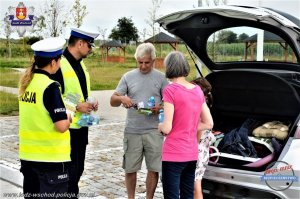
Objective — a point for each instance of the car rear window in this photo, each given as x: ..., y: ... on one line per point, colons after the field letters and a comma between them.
x: 244, y: 44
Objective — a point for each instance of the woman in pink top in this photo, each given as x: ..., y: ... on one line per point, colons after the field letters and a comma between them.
x: 185, y: 111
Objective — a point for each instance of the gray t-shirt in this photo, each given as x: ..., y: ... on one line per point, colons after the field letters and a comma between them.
x: 140, y: 87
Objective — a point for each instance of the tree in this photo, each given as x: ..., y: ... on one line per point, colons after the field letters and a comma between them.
x: 32, y: 40
x: 216, y: 2
x: 55, y: 17
x: 102, y: 32
x: 227, y: 36
x: 7, y: 32
x: 242, y: 37
x: 153, y: 16
x: 143, y: 34
x: 38, y: 25
x: 78, y: 12
x: 125, y: 31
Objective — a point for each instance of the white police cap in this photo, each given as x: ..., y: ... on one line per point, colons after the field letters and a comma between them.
x: 83, y: 34
x: 50, y: 47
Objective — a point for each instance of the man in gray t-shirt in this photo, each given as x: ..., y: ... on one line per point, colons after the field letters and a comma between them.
x: 141, y: 137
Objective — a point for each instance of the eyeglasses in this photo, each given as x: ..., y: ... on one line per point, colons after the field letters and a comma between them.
x: 89, y: 45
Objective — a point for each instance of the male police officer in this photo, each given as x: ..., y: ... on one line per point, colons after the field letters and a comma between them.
x: 74, y: 78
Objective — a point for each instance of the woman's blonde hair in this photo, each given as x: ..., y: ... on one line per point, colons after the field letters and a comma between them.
x: 39, y: 62
x: 26, y: 79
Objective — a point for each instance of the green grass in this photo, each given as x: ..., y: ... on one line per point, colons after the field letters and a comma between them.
x: 19, y: 62
x: 106, y: 78
x: 9, y: 77
x: 9, y: 105
x: 104, y: 75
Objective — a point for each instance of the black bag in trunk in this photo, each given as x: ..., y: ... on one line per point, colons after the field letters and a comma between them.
x: 237, y: 142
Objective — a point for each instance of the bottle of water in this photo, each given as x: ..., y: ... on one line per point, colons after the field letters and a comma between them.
x: 161, y: 116
x: 89, y: 119
x: 92, y: 118
x: 83, y: 120
x: 151, y: 102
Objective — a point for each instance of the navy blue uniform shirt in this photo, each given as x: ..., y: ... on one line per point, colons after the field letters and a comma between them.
x: 52, y: 99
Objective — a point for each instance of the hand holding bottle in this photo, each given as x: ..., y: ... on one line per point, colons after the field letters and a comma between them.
x: 89, y: 117
x: 84, y: 107
x: 127, y: 102
x: 94, y: 102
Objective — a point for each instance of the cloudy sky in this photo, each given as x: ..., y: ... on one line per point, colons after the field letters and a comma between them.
x: 105, y: 13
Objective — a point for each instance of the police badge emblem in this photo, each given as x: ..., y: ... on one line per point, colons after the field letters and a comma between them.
x: 21, y: 11
x: 21, y: 18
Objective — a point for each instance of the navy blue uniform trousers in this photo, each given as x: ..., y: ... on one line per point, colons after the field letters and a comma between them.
x: 79, y: 140
x: 45, y: 179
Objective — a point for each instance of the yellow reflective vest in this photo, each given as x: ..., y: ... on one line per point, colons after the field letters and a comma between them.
x: 72, y: 85
x: 38, y: 139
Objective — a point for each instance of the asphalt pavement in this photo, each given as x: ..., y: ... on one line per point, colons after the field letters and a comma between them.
x: 103, y: 176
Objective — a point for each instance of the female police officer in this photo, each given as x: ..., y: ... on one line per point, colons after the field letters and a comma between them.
x: 44, y: 138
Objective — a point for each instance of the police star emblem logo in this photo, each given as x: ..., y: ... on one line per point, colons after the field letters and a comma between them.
x: 21, y: 18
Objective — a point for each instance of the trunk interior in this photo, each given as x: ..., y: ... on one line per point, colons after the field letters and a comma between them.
x: 240, y: 96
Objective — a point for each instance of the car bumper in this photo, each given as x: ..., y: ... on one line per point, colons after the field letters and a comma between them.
x: 231, y: 183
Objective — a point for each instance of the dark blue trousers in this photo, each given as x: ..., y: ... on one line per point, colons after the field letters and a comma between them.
x: 44, y: 180
x: 178, y: 179
x: 79, y: 140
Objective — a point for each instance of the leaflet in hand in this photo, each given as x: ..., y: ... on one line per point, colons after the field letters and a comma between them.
x: 71, y: 100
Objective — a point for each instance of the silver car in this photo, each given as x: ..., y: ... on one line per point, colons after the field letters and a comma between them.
x: 251, y: 57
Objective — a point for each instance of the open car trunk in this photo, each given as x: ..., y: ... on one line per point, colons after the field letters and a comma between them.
x: 265, y: 98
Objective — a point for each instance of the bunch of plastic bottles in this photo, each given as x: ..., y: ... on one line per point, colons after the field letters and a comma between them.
x: 88, y: 120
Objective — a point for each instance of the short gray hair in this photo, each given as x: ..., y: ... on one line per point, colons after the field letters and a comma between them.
x: 145, y: 49
x: 176, y: 65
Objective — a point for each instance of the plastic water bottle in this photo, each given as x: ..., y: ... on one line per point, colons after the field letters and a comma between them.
x: 83, y: 121
x: 151, y: 102
x: 93, y: 118
x: 89, y: 119
x: 161, y: 116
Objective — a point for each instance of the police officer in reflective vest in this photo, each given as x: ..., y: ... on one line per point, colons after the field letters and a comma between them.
x: 44, y: 138
x: 74, y: 78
